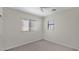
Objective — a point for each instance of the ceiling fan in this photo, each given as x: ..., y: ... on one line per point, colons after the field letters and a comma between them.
x: 47, y: 9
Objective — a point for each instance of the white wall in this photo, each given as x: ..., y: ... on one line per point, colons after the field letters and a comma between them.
x: 65, y: 33
x: 1, y: 29
x: 12, y: 33
x: 1, y: 20
x: 66, y: 28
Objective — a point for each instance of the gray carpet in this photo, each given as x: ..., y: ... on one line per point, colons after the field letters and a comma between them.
x: 42, y: 45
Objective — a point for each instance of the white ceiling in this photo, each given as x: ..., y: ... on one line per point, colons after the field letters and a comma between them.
x: 38, y: 12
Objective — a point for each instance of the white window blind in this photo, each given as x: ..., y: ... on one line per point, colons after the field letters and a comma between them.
x: 25, y: 25
x: 50, y: 24
x: 31, y: 25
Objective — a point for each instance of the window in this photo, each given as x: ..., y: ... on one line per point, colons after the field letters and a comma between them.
x: 25, y: 25
x: 50, y: 24
x: 30, y: 25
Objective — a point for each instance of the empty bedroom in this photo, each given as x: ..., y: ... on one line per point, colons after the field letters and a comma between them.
x: 39, y: 28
